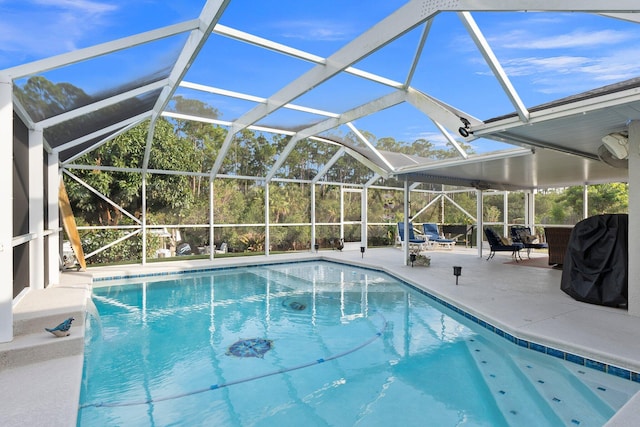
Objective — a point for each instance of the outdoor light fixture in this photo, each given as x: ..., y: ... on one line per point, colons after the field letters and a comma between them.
x: 362, y: 251
x: 457, y: 271
x: 412, y: 257
x: 617, y: 144
x: 465, y: 130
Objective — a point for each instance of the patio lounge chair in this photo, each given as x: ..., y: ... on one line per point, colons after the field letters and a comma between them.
x: 430, y: 230
x: 499, y: 245
x: 420, y: 244
x: 522, y: 234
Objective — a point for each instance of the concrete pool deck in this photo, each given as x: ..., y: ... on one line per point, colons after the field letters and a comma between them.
x: 40, y: 375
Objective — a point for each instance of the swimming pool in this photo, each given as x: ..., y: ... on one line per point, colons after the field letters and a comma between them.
x: 317, y: 343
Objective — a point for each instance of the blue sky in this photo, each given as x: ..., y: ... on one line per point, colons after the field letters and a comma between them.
x: 547, y: 56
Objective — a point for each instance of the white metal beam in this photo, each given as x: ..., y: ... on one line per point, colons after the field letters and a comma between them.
x: 52, y: 249
x: 99, y: 143
x: 115, y: 242
x: 427, y: 206
x: 98, y: 50
x: 69, y: 115
x: 369, y: 145
x: 359, y: 157
x: 298, y: 54
x: 494, y: 64
x: 390, y: 28
x: 418, y: 54
x: 256, y: 99
x: 630, y: 17
x: 385, y: 101
x: 137, y: 119
x: 225, y: 123
x: 595, y: 6
x: 322, y: 172
x: 36, y: 214
x: 579, y: 107
x: 226, y: 144
x: 451, y: 140
x: 6, y: 215
x: 210, y: 15
x: 374, y: 178
x: 463, y: 210
x: 102, y: 196
x: 634, y: 225
x: 455, y: 162
x: 282, y: 157
x: 438, y: 111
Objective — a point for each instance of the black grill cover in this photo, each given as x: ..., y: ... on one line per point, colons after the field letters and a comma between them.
x: 596, y: 262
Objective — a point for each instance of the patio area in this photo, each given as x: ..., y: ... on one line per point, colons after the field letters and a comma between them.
x: 523, y: 299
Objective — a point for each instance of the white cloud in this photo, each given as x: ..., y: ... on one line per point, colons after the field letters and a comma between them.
x: 526, y: 66
x: 590, y: 57
x: 78, y: 6
x: 519, y: 39
x: 315, y: 30
x: 436, y: 138
x: 43, y: 28
x: 562, y: 74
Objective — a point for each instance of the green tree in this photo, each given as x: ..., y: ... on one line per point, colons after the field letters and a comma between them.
x: 206, y: 138
x: 165, y: 192
x: 602, y: 198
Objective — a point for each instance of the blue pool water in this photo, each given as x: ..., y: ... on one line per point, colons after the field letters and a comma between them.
x: 317, y: 344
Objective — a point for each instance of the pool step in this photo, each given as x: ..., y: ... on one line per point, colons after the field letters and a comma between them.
x: 40, y: 309
x: 574, y: 409
x: 46, y: 308
x: 609, y: 388
x: 507, y: 386
x: 41, y: 346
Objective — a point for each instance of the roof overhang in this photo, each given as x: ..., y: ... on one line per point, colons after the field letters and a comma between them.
x: 561, y: 139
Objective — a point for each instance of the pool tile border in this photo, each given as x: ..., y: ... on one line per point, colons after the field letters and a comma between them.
x: 554, y: 352
x: 560, y: 354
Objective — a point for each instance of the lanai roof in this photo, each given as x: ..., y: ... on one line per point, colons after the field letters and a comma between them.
x: 322, y: 90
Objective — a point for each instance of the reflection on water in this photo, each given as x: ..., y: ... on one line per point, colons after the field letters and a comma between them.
x: 346, y: 346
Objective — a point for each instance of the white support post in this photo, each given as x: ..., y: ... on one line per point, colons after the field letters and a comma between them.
x: 53, y: 217
x: 532, y: 210
x: 363, y: 217
x: 505, y: 214
x: 585, y: 201
x: 36, y: 209
x: 527, y: 208
x: 341, y: 211
x: 267, y: 208
x: 211, y: 234
x: 144, y: 218
x: 442, y: 205
x: 313, y: 215
x: 405, y: 244
x: 6, y: 215
x: 480, y: 220
x: 634, y: 225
